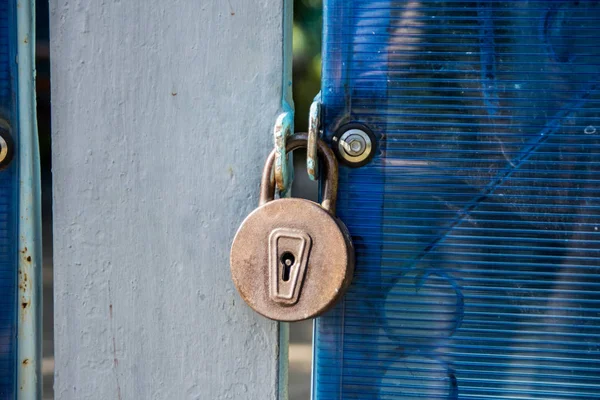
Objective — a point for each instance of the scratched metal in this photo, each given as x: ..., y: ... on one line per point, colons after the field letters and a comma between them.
x: 29, y: 239
x: 477, y: 224
x: 314, y: 134
x: 284, y: 128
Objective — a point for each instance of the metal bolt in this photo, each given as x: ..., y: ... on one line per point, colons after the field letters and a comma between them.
x: 3, y: 149
x: 7, y: 149
x: 355, y: 146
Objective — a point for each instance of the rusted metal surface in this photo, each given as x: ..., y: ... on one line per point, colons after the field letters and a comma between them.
x: 311, y: 288
x: 29, y: 377
x: 314, y: 134
x: 267, y: 188
x: 284, y: 126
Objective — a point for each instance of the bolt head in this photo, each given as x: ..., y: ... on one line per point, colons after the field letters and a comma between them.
x: 354, y: 144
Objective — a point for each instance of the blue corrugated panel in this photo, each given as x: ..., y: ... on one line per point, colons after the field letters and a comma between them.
x: 8, y: 210
x: 477, y: 224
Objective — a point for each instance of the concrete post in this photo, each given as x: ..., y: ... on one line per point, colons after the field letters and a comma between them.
x: 162, y: 119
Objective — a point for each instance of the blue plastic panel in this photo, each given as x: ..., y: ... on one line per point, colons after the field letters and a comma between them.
x: 477, y: 224
x: 8, y: 210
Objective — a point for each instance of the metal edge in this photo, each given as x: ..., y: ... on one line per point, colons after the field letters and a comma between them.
x: 314, y: 127
x: 284, y: 357
x: 313, y: 365
x: 29, y: 376
x: 284, y: 125
x: 287, y: 101
x: 287, y: 104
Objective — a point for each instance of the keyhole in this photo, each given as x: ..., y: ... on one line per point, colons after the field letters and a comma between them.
x: 287, y: 260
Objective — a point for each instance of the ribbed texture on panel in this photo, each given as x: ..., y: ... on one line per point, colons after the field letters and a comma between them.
x: 477, y: 225
x: 8, y: 264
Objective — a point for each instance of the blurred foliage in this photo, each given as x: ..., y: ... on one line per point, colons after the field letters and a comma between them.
x: 307, y: 58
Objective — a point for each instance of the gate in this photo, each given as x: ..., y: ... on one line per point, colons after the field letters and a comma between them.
x: 477, y: 223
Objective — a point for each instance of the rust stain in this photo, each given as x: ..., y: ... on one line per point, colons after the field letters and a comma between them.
x: 114, y: 344
x: 26, y: 361
x: 25, y: 305
x: 173, y: 94
x: 115, y: 359
x: 26, y: 40
x: 22, y: 280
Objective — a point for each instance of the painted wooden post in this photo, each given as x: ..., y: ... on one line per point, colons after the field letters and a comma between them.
x: 162, y: 118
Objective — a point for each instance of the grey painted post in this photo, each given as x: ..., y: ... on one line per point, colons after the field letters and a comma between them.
x: 162, y: 118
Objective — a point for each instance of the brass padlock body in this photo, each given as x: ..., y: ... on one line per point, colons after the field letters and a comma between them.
x: 317, y: 243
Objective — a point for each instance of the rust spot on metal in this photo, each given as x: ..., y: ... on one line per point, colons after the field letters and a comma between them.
x: 173, y: 94
x: 26, y: 361
x: 24, y: 305
x: 110, y: 311
x: 28, y: 259
x: 267, y: 188
x: 24, y: 250
x: 283, y: 129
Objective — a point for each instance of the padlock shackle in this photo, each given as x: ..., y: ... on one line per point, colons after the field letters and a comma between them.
x: 267, y: 186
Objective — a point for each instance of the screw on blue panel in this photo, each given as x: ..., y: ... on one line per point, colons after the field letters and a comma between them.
x: 7, y: 146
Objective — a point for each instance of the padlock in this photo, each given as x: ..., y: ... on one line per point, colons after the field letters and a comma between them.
x: 292, y: 259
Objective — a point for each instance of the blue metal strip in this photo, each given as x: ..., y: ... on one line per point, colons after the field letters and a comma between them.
x: 30, y: 240
x: 284, y: 124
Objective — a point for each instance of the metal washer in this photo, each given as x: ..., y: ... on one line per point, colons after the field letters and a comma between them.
x: 6, y: 147
x: 354, y: 144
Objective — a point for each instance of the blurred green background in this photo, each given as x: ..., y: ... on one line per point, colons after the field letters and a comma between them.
x: 307, y: 58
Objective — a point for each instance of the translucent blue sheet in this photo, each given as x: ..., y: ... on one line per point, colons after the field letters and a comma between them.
x: 8, y: 212
x: 477, y: 224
